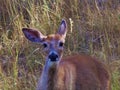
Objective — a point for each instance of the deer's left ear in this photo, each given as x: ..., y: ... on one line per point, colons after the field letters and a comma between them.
x: 63, y: 29
x: 33, y: 35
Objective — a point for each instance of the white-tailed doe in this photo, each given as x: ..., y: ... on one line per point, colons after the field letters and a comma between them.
x: 75, y: 72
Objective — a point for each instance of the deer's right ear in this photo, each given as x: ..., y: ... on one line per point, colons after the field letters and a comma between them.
x: 63, y: 29
x: 33, y: 35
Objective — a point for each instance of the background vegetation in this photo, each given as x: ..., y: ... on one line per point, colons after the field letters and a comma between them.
x: 93, y: 28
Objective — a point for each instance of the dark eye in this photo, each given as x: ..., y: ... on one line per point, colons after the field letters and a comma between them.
x: 45, y: 45
x: 61, y: 44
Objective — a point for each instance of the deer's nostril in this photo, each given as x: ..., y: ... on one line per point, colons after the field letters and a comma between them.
x: 53, y: 57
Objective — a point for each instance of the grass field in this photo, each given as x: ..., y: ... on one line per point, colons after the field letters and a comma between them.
x: 93, y: 29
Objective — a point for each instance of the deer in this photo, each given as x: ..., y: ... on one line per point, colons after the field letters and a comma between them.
x: 72, y: 72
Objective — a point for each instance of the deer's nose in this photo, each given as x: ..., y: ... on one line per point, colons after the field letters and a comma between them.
x: 53, y: 57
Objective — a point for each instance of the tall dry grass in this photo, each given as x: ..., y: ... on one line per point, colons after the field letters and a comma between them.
x: 93, y: 28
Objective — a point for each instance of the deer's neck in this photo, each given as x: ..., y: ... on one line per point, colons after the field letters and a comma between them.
x: 48, y: 77
x: 51, y: 78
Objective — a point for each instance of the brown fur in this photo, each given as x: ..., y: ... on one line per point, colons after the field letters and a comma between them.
x: 51, y: 37
x: 79, y: 72
x: 75, y: 72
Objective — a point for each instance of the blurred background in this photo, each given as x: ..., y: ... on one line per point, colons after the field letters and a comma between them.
x: 93, y: 29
